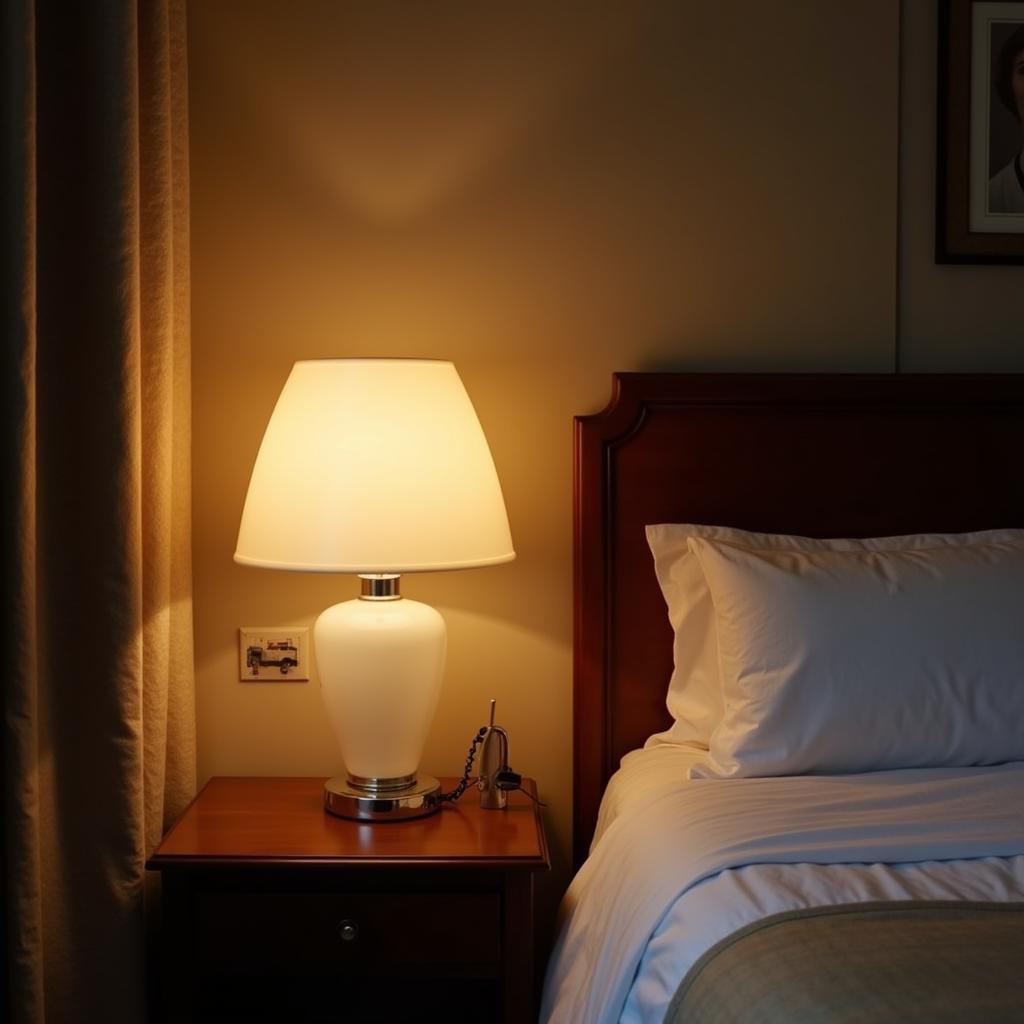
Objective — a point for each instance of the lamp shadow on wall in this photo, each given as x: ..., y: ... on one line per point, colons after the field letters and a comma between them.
x: 345, y: 114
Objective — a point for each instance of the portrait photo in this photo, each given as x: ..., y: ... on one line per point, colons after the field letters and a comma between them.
x: 980, y: 166
x: 997, y: 108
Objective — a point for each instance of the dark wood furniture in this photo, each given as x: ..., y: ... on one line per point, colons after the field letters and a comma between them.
x: 818, y: 455
x: 274, y: 910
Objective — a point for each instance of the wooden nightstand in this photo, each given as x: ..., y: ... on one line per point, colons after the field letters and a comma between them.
x: 276, y: 911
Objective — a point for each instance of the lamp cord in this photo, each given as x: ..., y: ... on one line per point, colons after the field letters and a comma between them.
x: 454, y: 795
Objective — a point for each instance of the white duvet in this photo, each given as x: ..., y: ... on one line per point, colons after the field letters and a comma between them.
x: 678, y: 864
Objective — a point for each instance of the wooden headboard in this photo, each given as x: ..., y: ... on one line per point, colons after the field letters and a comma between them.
x: 818, y: 455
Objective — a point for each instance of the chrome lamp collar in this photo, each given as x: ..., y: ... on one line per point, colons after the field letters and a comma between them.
x: 379, y: 587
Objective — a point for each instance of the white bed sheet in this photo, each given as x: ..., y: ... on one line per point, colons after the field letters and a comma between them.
x: 580, y: 986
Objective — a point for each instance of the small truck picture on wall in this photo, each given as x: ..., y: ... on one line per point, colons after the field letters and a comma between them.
x: 272, y: 654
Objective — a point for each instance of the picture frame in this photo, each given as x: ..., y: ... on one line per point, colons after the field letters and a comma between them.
x: 979, y: 167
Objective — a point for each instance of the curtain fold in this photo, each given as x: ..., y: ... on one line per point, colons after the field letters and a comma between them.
x: 98, y: 732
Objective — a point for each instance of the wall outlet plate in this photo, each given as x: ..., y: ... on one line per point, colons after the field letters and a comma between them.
x: 273, y: 654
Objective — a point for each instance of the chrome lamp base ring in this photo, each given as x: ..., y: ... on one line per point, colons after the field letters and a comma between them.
x: 345, y: 799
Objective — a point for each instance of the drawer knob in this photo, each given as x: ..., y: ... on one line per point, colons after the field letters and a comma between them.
x: 348, y: 930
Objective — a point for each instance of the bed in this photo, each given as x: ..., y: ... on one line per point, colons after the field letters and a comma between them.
x: 726, y: 878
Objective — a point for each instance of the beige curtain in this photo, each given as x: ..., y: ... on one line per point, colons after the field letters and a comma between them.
x: 98, y: 730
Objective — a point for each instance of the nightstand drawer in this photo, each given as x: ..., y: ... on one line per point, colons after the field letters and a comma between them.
x: 372, y: 932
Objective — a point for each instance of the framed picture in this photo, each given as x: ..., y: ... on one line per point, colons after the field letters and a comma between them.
x: 980, y: 169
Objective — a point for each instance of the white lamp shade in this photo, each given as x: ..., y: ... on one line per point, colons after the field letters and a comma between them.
x: 374, y: 466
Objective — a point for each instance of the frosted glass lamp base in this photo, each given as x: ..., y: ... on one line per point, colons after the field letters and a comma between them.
x: 415, y: 800
x: 380, y: 661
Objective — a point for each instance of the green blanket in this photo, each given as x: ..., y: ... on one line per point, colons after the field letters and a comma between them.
x: 863, y: 963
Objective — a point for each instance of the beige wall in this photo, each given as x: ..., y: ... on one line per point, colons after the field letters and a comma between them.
x: 543, y: 193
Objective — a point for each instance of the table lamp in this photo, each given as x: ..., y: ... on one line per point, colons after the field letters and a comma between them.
x: 376, y: 467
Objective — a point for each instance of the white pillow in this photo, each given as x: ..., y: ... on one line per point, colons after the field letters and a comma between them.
x: 849, y: 661
x: 694, y: 694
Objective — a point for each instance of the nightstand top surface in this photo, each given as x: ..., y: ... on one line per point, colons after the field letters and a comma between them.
x: 265, y: 821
